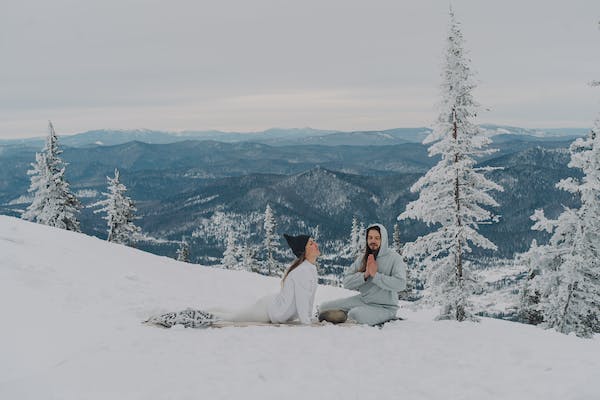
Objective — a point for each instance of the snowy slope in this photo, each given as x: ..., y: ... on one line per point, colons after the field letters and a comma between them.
x: 71, y: 307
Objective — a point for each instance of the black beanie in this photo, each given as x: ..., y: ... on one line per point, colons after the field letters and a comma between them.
x: 297, y: 243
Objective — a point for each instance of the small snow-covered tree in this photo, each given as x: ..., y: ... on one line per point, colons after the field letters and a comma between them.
x: 354, y: 238
x: 315, y: 232
x: 230, y: 255
x: 183, y: 252
x: 120, y: 212
x: 570, y: 281
x: 453, y: 193
x: 396, y: 242
x: 412, y: 276
x: 529, y: 291
x: 270, y: 241
x: 53, y: 203
x: 249, y: 258
x: 361, y: 242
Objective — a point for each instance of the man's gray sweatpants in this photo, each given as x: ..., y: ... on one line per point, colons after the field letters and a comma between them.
x: 360, y: 311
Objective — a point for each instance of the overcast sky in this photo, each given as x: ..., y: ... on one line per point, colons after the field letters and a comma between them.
x: 249, y: 65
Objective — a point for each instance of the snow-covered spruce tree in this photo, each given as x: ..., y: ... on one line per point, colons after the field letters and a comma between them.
x: 569, y: 282
x: 230, y: 255
x: 120, y: 212
x: 452, y: 193
x: 315, y: 232
x: 53, y: 203
x: 270, y: 241
x: 536, y: 258
x: 409, y: 293
x: 362, y: 234
x: 396, y: 242
x: 40, y: 174
x: 354, y: 238
x: 248, y: 258
x: 183, y: 252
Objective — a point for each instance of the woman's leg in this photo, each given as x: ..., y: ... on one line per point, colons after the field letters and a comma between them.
x: 257, y: 312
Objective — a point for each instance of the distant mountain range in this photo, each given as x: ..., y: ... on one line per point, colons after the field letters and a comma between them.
x: 287, y: 137
x: 179, y: 186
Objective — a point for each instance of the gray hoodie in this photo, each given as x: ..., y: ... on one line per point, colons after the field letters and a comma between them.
x: 383, y: 288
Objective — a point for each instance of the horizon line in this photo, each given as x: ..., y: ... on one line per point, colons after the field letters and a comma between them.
x: 275, y: 128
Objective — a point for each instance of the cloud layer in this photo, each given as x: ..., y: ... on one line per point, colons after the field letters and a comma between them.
x: 239, y: 65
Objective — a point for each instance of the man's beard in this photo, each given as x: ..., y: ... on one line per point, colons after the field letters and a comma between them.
x: 371, y: 251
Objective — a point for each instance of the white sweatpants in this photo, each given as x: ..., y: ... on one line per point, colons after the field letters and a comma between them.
x: 257, y: 312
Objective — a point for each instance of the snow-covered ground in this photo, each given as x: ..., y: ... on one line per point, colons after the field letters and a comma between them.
x: 71, y: 307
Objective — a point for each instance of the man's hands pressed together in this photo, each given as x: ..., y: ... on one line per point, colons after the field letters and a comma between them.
x: 371, y: 267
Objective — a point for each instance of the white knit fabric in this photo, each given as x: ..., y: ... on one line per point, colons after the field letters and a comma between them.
x: 297, y: 296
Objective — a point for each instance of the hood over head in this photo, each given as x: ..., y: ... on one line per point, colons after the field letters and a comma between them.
x: 383, y: 249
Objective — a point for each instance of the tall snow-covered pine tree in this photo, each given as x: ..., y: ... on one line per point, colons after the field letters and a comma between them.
x: 453, y: 193
x: 53, y: 203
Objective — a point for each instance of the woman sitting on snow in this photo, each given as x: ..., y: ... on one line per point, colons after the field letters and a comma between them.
x: 295, y: 300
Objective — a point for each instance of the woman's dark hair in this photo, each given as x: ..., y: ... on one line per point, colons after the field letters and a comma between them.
x: 292, y: 267
x: 363, y: 265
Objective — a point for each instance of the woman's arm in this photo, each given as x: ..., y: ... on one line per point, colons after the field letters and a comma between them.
x: 282, y: 302
x: 304, y: 294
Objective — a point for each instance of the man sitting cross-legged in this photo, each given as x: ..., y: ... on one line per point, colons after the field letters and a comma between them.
x: 378, y: 275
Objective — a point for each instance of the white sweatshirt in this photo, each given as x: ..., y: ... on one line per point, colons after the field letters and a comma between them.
x: 297, y: 296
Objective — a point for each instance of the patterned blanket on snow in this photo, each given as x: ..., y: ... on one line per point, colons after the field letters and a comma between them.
x: 189, y: 318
